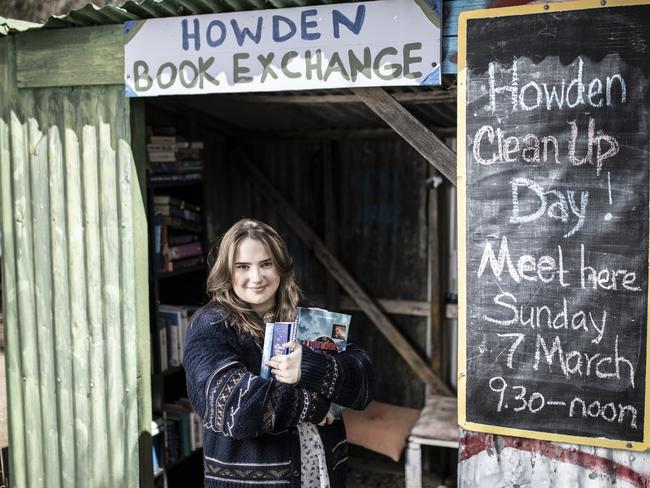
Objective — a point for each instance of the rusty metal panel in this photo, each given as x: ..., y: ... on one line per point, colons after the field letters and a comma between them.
x: 501, y: 461
x: 67, y: 183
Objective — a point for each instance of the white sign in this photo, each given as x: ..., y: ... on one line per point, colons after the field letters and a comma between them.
x: 379, y: 43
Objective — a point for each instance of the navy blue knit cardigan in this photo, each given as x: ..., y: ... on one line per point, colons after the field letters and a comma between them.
x: 250, y: 434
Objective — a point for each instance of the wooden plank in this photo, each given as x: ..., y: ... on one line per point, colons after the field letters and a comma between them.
x: 411, y: 129
x: 338, y: 134
x: 340, y: 273
x: 392, y: 307
x: 70, y: 57
x: 426, y: 96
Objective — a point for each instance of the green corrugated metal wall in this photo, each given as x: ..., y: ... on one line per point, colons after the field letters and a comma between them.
x: 70, y: 211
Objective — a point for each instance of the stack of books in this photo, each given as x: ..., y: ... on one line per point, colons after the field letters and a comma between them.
x: 320, y: 330
x: 173, y: 321
x: 176, y: 434
x: 177, y: 234
x: 171, y: 158
x: 184, y: 430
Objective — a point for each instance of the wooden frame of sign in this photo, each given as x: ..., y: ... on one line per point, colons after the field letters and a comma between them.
x: 554, y: 125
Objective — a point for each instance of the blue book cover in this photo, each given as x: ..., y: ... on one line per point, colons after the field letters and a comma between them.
x: 321, y: 330
x: 324, y: 332
x: 276, y: 334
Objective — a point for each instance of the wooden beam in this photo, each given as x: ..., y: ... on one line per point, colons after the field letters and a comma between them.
x: 393, y: 307
x: 342, y: 134
x: 70, y: 57
x: 416, y: 97
x: 341, y: 274
x: 411, y: 129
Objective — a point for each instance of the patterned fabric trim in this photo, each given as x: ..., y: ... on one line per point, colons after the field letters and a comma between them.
x: 276, y: 473
x: 341, y: 461
x: 305, y: 406
x: 283, y: 463
x: 261, y: 483
x: 218, y: 393
x: 312, y: 405
x: 246, y: 379
x: 339, y: 444
x: 330, y: 377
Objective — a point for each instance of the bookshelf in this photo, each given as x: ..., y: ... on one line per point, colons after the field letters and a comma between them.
x: 177, y: 281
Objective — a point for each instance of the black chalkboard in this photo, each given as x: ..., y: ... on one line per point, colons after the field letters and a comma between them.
x: 555, y: 203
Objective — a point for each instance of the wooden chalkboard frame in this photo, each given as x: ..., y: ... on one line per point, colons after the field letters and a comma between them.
x: 546, y: 8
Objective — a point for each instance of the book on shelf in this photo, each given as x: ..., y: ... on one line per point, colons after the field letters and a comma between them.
x: 180, y: 223
x: 157, y: 443
x: 175, y: 211
x: 163, y: 355
x: 187, y: 429
x: 174, y: 319
x: 177, y: 202
x: 162, y: 139
x: 162, y: 156
x: 175, y: 177
x: 178, y: 239
x: 320, y: 330
x: 183, y: 251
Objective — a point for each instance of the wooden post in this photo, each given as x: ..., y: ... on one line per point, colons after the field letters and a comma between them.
x: 345, y: 279
x: 433, y: 278
x: 411, y: 129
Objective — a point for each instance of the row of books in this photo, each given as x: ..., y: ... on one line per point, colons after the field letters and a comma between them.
x: 173, y: 321
x: 171, y: 158
x: 177, y: 234
x: 176, y: 434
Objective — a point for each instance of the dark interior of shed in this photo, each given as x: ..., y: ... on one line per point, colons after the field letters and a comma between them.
x: 376, y: 204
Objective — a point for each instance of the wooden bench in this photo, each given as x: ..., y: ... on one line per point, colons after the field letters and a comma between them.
x: 436, y: 426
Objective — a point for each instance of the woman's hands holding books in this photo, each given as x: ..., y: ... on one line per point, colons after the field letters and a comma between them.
x: 286, y: 368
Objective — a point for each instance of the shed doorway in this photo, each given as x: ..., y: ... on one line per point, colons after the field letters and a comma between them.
x: 376, y: 204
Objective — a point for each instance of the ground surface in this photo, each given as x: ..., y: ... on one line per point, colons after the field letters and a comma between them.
x: 371, y: 474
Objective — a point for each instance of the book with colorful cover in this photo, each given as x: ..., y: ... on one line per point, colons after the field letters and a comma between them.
x: 276, y: 334
x: 324, y: 332
x: 320, y: 330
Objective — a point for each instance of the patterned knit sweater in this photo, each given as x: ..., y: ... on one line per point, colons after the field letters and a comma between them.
x: 250, y: 434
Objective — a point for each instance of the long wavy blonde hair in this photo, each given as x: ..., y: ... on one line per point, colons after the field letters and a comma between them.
x: 219, y: 284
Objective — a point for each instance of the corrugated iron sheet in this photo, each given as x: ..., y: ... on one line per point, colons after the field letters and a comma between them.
x: 502, y: 461
x: 248, y: 113
x: 148, y: 9
x: 69, y: 287
x: 9, y: 26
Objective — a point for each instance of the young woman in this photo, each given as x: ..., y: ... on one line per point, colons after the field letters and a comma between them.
x: 266, y: 432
